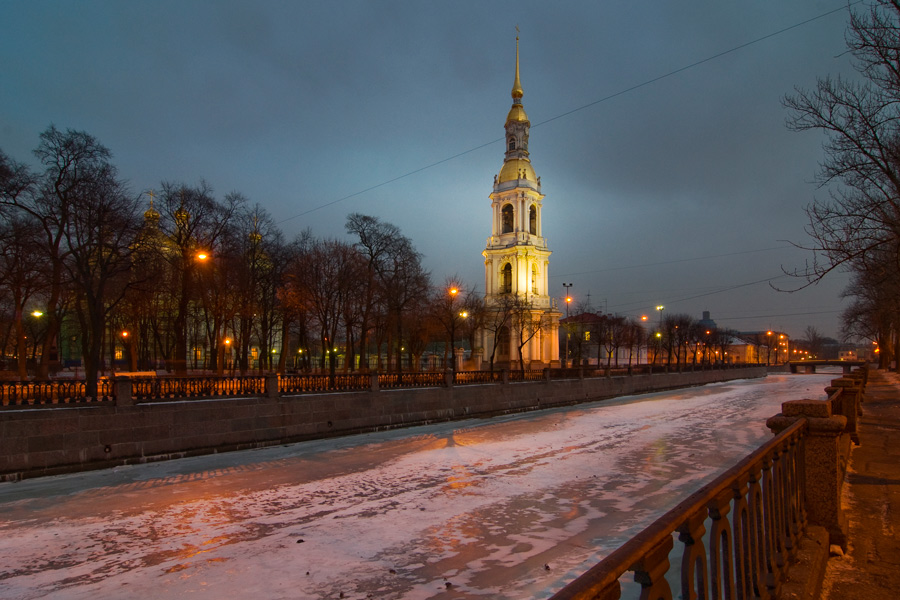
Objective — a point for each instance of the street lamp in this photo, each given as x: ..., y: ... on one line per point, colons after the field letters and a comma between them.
x: 453, y: 293
x: 660, y: 308
x: 568, y: 302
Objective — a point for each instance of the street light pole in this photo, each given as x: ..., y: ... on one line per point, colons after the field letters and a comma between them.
x: 568, y: 301
x: 453, y: 292
x: 659, y: 309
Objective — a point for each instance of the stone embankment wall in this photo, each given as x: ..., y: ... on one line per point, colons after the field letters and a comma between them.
x: 44, y: 441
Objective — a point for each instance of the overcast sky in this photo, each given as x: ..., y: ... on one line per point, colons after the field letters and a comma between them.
x: 683, y: 191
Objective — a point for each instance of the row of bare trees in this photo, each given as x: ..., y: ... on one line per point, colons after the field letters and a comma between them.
x: 677, y: 341
x: 86, y: 266
x: 857, y: 227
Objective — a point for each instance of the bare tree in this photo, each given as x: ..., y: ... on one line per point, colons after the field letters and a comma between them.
x: 527, y: 321
x: 497, y: 322
x: 193, y: 222
x: 100, y: 237
x: 21, y: 280
x: 814, y: 341
x: 858, y: 225
x: 322, y: 278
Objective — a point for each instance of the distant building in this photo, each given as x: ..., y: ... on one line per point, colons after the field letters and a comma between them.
x: 707, y: 323
x: 768, y: 347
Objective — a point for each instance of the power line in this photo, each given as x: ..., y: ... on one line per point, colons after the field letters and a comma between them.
x: 580, y: 108
x: 799, y: 314
x: 695, y: 296
x: 672, y: 262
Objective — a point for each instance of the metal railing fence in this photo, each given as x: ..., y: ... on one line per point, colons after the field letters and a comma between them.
x: 52, y: 393
x: 755, y: 513
x: 149, y: 389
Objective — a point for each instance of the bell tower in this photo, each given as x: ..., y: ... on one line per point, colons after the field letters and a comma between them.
x: 517, y: 257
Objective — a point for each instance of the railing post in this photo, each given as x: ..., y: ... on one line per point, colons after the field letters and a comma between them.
x: 851, y: 391
x: 504, y: 376
x: 823, y: 474
x: 124, y: 396
x: 449, y: 378
x: 373, y: 382
x: 272, y: 389
x: 546, y: 375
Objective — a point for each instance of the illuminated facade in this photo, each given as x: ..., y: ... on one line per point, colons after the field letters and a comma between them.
x: 517, y: 257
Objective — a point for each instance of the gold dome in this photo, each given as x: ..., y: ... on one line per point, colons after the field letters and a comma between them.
x: 515, y: 169
x: 517, y: 114
x: 182, y: 216
x: 151, y: 216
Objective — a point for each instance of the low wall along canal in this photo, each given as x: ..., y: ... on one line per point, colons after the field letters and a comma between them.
x: 45, y: 440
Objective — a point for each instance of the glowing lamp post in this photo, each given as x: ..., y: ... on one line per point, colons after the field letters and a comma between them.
x: 568, y: 302
x: 453, y: 291
x: 660, y: 310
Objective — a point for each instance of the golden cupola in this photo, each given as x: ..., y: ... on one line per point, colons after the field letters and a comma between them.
x: 516, y: 164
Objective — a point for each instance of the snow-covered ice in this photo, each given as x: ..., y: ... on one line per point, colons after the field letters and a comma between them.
x: 511, y: 507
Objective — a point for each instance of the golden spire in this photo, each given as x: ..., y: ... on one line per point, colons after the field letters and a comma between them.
x: 517, y: 91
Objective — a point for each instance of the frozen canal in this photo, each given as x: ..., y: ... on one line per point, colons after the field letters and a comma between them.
x: 511, y: 507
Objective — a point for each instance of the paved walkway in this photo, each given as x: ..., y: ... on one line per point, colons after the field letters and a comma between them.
x: 871, y: 568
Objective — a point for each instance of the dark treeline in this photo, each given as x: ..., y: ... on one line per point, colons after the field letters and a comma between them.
x: 183, y: 279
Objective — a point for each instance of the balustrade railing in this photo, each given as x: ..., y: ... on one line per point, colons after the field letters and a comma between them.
x: 412, y: 379
x: 467, y: 377
x: 174, y: 388
x: 754, y: 514
x: 52, y: 393
x: 306, y: 383
x: 144, y: 389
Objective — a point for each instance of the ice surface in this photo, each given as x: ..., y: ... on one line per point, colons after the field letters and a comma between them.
x: 510, y: 507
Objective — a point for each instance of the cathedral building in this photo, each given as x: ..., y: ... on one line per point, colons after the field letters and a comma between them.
x: 521, y: 312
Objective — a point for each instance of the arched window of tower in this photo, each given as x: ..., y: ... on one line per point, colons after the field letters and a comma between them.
x: 506, y: 279
x: 534, y: 276
x: 511, y: 145
x: 507, y: 218
x: 532, y: 220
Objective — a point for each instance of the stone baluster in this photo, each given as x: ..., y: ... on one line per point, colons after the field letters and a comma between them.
x: 759, y: 569
x: 650, y: 571
x: 742, y: 535
x: 774, y: 560
x: 721, y: 548
x: 694, y: 569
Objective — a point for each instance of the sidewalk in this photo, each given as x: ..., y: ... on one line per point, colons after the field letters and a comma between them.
x: 871, y: 568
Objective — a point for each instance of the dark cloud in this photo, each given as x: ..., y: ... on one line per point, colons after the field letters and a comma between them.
x: 297, y: 105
